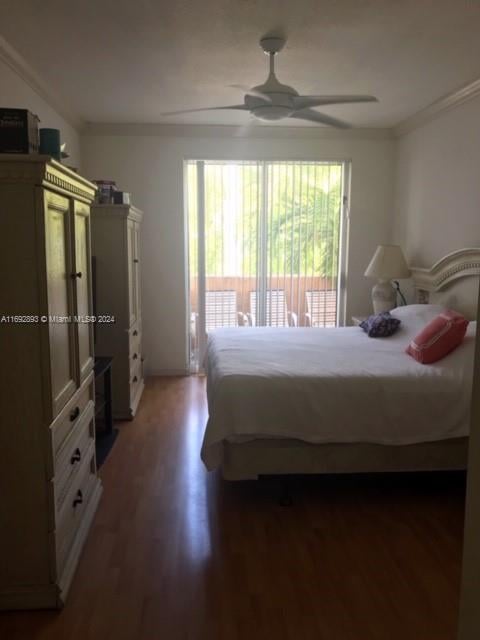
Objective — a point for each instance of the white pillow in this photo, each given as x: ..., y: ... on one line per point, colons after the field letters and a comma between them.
x: 417, y: 312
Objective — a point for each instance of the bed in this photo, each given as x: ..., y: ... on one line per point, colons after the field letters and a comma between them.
x: 309, y: 400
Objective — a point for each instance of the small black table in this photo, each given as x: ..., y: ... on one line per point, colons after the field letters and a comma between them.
x: 103, y: 401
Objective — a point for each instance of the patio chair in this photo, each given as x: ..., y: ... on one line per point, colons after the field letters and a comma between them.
x: 220, y: 311
x: 277, y: 313
x: 321, y: 308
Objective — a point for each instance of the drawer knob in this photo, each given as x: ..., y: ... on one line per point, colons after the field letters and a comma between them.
x: 78, y: 274
x: 135, y: 260
x: 135, y: 333
x: 74, y: 414
x: 78, y: 499
x: 134, y: 379
x: 135, y: 356
x: 76, y: 456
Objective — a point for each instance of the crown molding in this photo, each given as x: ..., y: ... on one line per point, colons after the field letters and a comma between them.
x: 437, y: 108
x: 231, y: 131
x: 19, y: 65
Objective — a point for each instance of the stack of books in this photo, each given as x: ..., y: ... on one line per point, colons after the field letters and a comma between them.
x: 18, y: 131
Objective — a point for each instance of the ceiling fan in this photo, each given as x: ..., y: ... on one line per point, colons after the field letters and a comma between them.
x: 273, y: 100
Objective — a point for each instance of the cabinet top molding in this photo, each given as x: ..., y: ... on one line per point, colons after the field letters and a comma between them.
x: 45, y: 171
x: 117, y: 211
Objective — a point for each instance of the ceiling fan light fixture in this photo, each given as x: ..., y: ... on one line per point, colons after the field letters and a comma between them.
x: 272, y: 112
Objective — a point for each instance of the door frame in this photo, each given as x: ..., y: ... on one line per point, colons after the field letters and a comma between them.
x: 201, y: 276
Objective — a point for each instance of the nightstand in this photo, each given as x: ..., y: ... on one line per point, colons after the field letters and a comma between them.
x: 358, y: 319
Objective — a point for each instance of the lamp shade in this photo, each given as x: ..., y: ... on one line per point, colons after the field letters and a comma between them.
x: 388, y: 262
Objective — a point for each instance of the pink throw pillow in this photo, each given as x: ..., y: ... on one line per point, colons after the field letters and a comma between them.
x: 440, y: 336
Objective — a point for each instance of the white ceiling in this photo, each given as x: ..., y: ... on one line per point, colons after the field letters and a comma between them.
x: 130, y: 60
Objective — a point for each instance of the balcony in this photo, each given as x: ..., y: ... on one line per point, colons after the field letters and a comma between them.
x: 319, y: 310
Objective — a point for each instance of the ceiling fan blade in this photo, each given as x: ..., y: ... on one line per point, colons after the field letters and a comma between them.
x: 321, y: 118
x: 304, y: 102
x: 241, y: 107
x: 251, y: 92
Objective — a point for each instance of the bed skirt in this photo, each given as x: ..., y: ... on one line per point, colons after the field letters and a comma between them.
x: 248, y: 460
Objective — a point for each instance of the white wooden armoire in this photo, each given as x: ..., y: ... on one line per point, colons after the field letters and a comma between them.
x: 49, y: 489
x: 116, y: 251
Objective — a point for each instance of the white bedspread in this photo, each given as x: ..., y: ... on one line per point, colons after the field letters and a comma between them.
x: 331, y: 385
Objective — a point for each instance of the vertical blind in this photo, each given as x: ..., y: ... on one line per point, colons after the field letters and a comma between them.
x: 264, y: 243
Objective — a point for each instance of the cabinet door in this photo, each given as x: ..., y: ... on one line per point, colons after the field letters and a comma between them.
x: 136, y: 269
x: 58, y: 250
x: 83, y: 288
x: 132, y: 293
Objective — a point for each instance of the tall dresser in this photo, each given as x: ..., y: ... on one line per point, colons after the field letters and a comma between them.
x: 48, y: 481
x: 116, y: 251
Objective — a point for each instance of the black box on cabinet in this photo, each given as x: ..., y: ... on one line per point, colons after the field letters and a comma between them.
x: 18, y: 131
x: 121, y: 197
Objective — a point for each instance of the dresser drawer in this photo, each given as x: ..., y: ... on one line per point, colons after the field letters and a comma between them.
x: 72, y: 453
x: 73, y: 508
x: 135, y: 359
x: 135, y: 340
x: 135, y: 381
x: 66, y: 422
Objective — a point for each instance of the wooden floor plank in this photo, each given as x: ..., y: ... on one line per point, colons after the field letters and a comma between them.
x: 176, y: 553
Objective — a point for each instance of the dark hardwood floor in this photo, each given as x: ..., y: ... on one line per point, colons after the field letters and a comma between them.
x: 177, y: 553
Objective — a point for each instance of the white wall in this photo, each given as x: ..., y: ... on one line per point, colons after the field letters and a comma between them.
x: 14, y: 92
x: 437, y: 210
x: 151, y: 167
x: 469, y: 614
x: 437, y: 186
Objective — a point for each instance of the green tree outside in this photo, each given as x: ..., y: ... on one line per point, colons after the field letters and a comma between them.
x: 301, y: 219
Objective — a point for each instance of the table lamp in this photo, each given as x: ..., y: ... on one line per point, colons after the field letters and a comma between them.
x: 388, y: 262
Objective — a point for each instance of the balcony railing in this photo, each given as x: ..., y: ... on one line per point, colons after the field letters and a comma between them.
x: 311, y: 309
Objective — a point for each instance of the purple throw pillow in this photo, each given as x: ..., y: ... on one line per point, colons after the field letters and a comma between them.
x: 381, y: 325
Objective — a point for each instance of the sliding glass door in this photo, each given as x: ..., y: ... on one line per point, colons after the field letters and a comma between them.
x: 265, y: 244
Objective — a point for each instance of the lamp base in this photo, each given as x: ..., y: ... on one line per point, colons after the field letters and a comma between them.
x: 384, y: 297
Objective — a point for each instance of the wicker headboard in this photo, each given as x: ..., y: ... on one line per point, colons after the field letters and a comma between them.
x: 453, y: 281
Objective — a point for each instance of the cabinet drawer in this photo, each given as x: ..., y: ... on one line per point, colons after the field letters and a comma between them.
x: 135, y: 381
x: 73, y: 508
x: 70, y: 458
x: 66, y: 422
x: 135, y: 358
x: 135, y: 340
